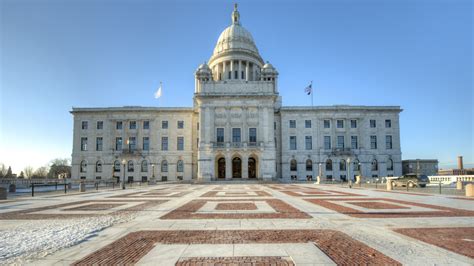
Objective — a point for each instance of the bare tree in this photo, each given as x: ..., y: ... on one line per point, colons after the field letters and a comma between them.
x: 41, y: 172
x: 60, y: 168
x: 29, y: 171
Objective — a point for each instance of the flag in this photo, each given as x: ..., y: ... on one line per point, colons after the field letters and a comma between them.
x: 308, y: 90
x: 158, y: 92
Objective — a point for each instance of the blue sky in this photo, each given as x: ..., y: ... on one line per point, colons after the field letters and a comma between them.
x: 63, y: 53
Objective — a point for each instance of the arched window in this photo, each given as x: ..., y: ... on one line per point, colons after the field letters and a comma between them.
x: 375, y: 166
x: 98, y: 167
x: 117, y: 166
x: 144, y: 166
x: 342, y: 165
x: 328, y: 165
x: 130, y: 166
x: 180, y: 166
x: 356, y: 165
x: 83, y: 167
x: 309, y: 165
x: 164, y: 166
x: 293, y: 165
x: 390, y: 165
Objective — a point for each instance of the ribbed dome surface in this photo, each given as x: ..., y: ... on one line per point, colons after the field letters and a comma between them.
x: 235, y: 37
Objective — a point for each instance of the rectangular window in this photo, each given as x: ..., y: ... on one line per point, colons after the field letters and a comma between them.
x: 84, y: 125
x: 98, y: 144
x: 146, y: 143
x: 373, y: 124
x: 327, y: 142
x: 373, y: 142
x: 307, y: 123
x: 230, y: 75
x: 353, y: 123
x: 252, y: 135
x: 83, y: 144
x: 164, y: 143
x: 164, y: 124
x: 100, y: 124
x: 118, y: 144
x: 146, y: 124
x: 340, y: 142
x: 388, y: 142
x: 327, y: 124
x: 340, y: 123
x: 119, y: 125
x: 236, y: 135
x: 236, y: 74
x: 132, y: 143
x: 388, y: 123
x: 293, y: 143
x: 180, y: 146
x: 133, y: 124
x: 354, y: 144
x: 292, y: 123
x: 180, y: 124
x: 220, y: 135
x: 308, y: 142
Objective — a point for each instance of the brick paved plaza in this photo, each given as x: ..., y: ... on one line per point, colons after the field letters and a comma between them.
x: 238, y: 224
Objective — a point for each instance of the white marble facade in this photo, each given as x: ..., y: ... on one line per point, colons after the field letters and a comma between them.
x: 237, y: 128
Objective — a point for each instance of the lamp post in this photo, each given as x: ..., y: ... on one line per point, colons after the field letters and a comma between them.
x: 349, y: 179
x: 153, y: 172
x: 123, y: 181
x: 320, y: 171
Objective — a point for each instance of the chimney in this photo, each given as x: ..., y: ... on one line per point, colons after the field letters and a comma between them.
x: 460, y: 166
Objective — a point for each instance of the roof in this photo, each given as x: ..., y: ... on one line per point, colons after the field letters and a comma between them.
x: 130, y: 109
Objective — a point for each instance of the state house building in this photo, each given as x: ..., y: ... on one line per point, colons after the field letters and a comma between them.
x: 237, y: 128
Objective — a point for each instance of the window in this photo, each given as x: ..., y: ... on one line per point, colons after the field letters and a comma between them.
x: 373, y: 123
x: 375, y: 166
x: 293, y: 165
x: 340, y: 142
x: 356, y: 165
x: 342, y: 165
x: 293, y: 143
x: 252, y: 135
x: 84, y: 125
x: 307, y: 123
x: 328, y: 165
x: 119, y: 125
x: 98, y: 144
x: 146, y: 124
x: 388, y: 123
x: 309, y: 165
x: 220, y: 135
x: 388, y: 142
x: 236, y: 74
x: 164, y: 124
x: 230, y: 75
x: 98, y: 167
x: 180, y: 124
x: 83, y: 144
x: 327, y: 142
x: 132, y: 143
x: 118, y: 144
x: 146, y: 143
x: 130, y: 167
x: 164, y: 143
x: 100, y: 124
x: 133, y: 124
x: 373, y: 142
x: 308, y: 140
x: 144, y: 166
x: 180, y: 166
x: 390, y: 165
x: 353, y: 123
x: 236, y: 135
x: 117, y: 166
x: 292, y: 123
x: 164, y: 166
x: 180, y: 146
x: 83, y: 167
x: 327, y: 124
x: 354, y: 144
x: 340, y: 124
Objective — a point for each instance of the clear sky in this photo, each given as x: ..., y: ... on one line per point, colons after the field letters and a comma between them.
x: 56, y: 54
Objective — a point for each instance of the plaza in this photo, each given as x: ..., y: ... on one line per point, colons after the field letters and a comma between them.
x: 240, y: 223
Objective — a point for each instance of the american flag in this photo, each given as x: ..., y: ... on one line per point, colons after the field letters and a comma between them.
x: 308, y: 90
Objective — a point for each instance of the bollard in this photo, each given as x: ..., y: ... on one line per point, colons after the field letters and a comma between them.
x: 389, y: 185
x: 375, y: 184
x: 56, y: 183
x: 459, y: 184
x: 82, y: 187
x: 470, y: 190
x: 3, y: 193
x: 32, y: 189
x: 439, y: 187
x: 65, y: 188
x: 12, y: 188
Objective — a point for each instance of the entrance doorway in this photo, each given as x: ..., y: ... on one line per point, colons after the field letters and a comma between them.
x: 221, y: 168
x: 236, y: 168
x: 252, y: 168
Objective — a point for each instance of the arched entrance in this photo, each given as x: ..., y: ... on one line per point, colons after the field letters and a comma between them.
x: 236, y: 168
x: 252, y: 168
x: 221, y: 168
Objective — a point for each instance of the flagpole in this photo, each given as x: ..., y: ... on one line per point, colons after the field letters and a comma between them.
x: 311, y: 94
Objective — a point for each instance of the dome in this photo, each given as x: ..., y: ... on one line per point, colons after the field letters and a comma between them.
x: 203, y: 67
x: 268, y: 66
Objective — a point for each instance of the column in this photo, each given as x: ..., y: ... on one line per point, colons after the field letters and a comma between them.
x: 239, y: 74
x: 224, y: 71
x: 245, y: 166
x: 247, y: 71
x: 228, y: 166
x: 231, y: 68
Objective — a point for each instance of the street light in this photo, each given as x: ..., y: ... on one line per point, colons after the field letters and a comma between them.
x: 320, y: 171
x: 349, y: 172
x: 123, y: 181
x: 153, y: 172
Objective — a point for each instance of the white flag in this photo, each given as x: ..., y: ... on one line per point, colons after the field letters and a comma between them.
x: 158, y: 92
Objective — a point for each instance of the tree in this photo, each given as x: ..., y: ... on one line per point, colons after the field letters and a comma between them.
x: 9, y: 173
x: 41, y: 172
x: 29, y: 171
x: 59, y: 168
x: 22, y: 175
